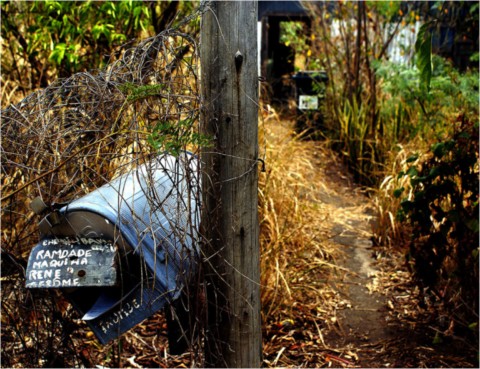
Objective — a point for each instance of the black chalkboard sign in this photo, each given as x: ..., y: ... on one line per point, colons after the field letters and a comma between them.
x: 71, y: 262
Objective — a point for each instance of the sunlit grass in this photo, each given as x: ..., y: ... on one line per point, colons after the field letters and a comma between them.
x: 291, y: 217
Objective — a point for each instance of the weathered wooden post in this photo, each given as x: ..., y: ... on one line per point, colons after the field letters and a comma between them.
x: 230, y: 179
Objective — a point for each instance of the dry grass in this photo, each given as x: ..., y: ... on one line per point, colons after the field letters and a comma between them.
x: 67, y: 140
x: 387, y: 230
x: 51, y: 153
x: 292, y: 218
x: 295, y: 240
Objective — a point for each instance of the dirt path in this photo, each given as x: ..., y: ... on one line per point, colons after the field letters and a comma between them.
x: 362, y: 321
x: 380, y: 323
x: 350, y: 303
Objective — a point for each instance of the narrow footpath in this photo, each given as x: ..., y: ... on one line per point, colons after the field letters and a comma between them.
x: 380, y: 323
x: 362, y: 322
x: 362, y: 310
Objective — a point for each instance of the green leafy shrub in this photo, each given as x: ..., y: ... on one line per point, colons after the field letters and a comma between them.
x: 44, y: 40
x: 407, y: 111
x: 442, y: 214
x: 66, y: 37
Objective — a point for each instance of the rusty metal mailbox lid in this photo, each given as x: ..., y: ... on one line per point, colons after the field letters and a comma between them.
x: 62, y: 262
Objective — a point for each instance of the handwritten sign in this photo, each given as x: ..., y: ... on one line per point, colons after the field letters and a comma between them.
x: 71, y: 262
x: 140, y: 303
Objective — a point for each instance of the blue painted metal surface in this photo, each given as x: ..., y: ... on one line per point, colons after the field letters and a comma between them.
x: 152, y: 214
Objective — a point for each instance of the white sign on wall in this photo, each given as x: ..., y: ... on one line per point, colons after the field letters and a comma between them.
x: 308, y: 102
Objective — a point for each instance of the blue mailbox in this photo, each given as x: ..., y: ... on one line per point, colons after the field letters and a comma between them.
x: 124, y: 251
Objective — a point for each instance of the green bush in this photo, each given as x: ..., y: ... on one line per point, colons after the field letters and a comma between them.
x: 442, y: 214
x: 45, y: 40
x: 58, y: 39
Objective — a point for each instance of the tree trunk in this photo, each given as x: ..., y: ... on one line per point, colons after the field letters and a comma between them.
x: 230, y: 181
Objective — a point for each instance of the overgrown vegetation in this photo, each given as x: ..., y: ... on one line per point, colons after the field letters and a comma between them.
x: 411, y: 129
x: 45, y: 40
x: 83, y: 130
x: 375, y: 103
x: 67, y: 140
x: 407, y: 131
x: 441, y: 211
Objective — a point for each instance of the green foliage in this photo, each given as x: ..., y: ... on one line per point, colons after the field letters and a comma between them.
x: 69, y: 34
x: 407, y: 110
x: 290, y: 33
x: 175, y: 137
x: 398, y: 113
x: 135, y: 92
x: 293, y: 34
x: 169, y: 136
x: 43, y: 40
x: 353, y: 136
x: 442, y: 213
x: 388, y: 10
x: 423, y: 53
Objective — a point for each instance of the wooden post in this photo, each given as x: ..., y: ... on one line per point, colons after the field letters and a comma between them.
x: 229, y: 80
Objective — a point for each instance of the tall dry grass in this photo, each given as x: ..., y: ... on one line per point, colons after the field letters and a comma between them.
x: 292, y: 221
x: 294, y: 232
x: 387, y: 229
